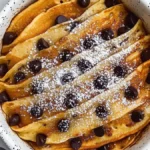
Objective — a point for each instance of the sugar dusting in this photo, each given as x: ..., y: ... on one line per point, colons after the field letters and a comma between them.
x: 101, y: 56
x: 82, y: 86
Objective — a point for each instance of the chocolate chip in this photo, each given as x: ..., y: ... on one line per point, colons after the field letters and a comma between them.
x: 37, y: 88
x: 100, y: 131
x: 88, y: 43
x: 131, y: 93
x: 73, y: 25
x: 35, y: 66
x: 4, y: 97
x: 70, y: 100
x: 119, y: 71
x: 63, y: 125
x: 3, y: 69
x: 9, y: 37
x: 148, y: 78
x: 65, y: 55
x: 76, y: 143
x: 137, y: 116
x: 145, y: 55
x: 19, y: 76
x: 131, y: 20
x: 101, y: 111
x: 122, y: 30
x: 84, y: 65
x: 83, y: 3
x: 14, y: 120
x: 60, y: 19
x: 105, y: 147
x: 107, y: 34
x: 110, y: 3
x: 42, y: 44
x: 36, y: 111
x: 101, y: 82
x: 41, y: 139
x: 68, y: 77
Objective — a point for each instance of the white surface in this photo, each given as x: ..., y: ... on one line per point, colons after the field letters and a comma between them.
x: 141, y: 7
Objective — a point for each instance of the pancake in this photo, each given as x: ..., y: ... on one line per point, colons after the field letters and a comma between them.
x: 87, y: 111
x: 111, y: 133
x: 51, y: 36
x: 49, y: 57
x: 137, y: 31
x: 129, y: 59
x: 82, y: 83
x: 52, y: 78
x: 25, y: 17
x: 47, y: 19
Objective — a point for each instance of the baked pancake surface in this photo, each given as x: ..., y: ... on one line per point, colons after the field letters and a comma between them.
x: 75, y: 75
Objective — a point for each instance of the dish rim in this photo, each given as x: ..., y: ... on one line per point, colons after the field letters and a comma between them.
x: 5, y: 131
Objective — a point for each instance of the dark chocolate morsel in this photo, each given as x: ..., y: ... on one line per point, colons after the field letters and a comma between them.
x: 35, y: 66
x: 88, y: 43
x: 60, y: 19
x: 42, y: 44
x: 19, y: 76
x: 131, y: 93
x: 107, y: 34
x: 36, y: 111
x: 137, y: 116
x: 63, y: 125
x: 84, y: 65
x: 68, y: 77
x: 101, y: 111
x: 14, y: 120
x: 83, y: 3
x: 75, y: 143
x: 3, y: 69
x: 40, y: 139
x: 101, y: 82
x: 145, y: 55
x: 110, y: 3
x: 9, y: 37
x: 71, y: 100
x: 100, y: 131
x: 65, y: 55
x: 4, y: 97
x: 119, y: 71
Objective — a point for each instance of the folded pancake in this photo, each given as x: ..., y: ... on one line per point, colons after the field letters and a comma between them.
x: 53, y: 102
x: 128, y: 60
x: 115, y: 131
x: 47, y: 19
x: 117, y: 145
x: 51, y: 36
x: 27, y: 15
x: 120, y: 42
x: 107, y: 24
x: 91, y: 114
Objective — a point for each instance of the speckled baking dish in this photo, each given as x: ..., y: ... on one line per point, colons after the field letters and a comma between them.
x: 140, y: 7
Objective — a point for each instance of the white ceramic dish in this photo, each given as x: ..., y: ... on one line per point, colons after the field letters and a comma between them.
x: 140, y: 7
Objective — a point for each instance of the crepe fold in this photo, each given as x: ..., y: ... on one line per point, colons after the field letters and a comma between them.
x: 43, y: 20
x: 111, y: 18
